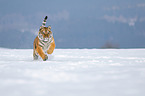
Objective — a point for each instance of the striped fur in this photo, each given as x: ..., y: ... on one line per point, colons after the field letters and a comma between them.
x: 44, y: 42
x: 43, y: 23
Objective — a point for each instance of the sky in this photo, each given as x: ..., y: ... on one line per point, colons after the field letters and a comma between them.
x: 75, y: 24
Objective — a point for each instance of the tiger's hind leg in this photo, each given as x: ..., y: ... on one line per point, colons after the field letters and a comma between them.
x: 35, y: 56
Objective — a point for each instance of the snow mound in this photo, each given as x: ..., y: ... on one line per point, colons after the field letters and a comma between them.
x: 73, y: 72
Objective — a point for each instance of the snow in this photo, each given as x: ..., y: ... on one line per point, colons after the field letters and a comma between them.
x: 73, y: 72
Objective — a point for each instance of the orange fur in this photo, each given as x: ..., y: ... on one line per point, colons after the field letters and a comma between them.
x: 39, y: 50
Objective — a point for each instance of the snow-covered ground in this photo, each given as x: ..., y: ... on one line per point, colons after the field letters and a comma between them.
x: 73, y: 72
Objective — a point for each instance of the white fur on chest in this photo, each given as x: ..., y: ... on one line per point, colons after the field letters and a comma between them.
x: 45, y: 43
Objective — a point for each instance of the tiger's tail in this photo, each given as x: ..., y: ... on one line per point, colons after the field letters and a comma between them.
x: 44, y: 22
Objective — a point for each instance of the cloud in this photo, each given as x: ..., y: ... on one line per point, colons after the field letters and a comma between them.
x: 31, y: 22
x: 142, y: 19
x: 121, y: 19
x: 127, y: 6
x: 14, y: 22
x: 112, y: 8
x: 63, y: 15
x: 141, y: 5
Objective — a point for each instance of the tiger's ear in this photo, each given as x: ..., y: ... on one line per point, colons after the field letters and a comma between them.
x: 40, y: 28
x: 49, y: 27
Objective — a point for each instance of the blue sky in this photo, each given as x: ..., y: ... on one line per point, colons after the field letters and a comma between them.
x: 75, y: 24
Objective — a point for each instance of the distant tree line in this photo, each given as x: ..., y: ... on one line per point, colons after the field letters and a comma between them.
x: 110, y: 45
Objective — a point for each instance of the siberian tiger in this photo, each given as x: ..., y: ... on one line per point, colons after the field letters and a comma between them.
x: 44, y: 42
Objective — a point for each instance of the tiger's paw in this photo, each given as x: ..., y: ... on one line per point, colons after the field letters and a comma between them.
x: 46, y: 57
x: 35, y: 57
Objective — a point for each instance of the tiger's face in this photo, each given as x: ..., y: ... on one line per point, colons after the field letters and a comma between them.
x: 45, y: 33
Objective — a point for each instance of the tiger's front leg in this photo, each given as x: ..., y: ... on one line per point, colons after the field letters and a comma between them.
x: 51, y: 48
x: 41, y: 53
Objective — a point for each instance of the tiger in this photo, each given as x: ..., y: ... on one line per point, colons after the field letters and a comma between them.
x: 44, y: 43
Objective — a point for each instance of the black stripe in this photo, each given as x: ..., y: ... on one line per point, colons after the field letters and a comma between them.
x: 40, y: 46
x: 41, y: 42
x: 35, y: 46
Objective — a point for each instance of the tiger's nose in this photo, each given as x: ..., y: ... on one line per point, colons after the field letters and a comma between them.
x: 46, y: 39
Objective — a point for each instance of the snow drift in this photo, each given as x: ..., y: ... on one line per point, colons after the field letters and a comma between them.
x: 73, y: 72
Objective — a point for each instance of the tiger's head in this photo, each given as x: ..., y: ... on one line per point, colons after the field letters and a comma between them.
x: 45, y: 33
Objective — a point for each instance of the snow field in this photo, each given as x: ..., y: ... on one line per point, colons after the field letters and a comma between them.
x: 73, y: 72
